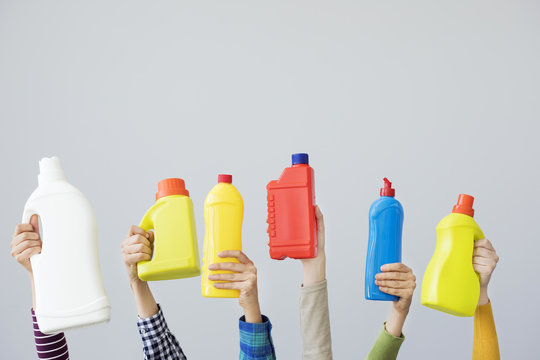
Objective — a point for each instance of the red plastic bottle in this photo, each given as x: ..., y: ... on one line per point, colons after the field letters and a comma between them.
x: 292, y: 226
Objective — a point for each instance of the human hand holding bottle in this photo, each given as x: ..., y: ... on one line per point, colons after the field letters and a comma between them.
x: 243, y: 277
x: 139, y: 246
x: 25, y: 243
x: 485, y: 260
x: 397, y: 279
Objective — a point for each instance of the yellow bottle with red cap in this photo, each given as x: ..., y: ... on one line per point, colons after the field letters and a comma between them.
x: 176, y: 252
x: 223, y: 216
x: 450, y: 283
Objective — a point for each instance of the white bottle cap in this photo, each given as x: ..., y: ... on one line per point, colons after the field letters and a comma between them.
x: 50, y: 170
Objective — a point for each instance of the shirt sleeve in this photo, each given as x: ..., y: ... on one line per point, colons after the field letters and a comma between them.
x: 315, y: 322
x: 256, y: 340
x: 158, y: 341
x: 49, y: 346
x: 386, y: 347
x: 485, y: 342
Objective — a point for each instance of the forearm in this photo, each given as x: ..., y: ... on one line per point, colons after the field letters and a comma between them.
x: 394, y: 324
x: 386, y: 346
x: 256, y: 340
x: 144, y: 299
x: 33, y: 290
x: 315, y: 322
x: 253, y: 313
x: 49, y: 346
x: 314, y: 269
x: 485, y: 342
x: 158, y: 341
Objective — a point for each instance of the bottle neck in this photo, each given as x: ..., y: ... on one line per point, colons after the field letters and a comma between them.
x: 51, y: 176
x: 50, y: 170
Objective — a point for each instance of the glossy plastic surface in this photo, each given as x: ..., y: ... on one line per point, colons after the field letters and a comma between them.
x: 67, y: 277
x: 291, y: 214
x: 450, y: 283
x: 176, y: 252
x: 223, y: 216
x: 384, y: 244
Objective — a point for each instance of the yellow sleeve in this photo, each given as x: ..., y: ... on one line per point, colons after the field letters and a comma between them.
x: 485, y: 343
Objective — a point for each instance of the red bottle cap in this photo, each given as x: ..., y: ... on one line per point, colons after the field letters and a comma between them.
x: 387, y: 189
x: 464, y: 205
x: 223, y: 178
x: 172, y: 186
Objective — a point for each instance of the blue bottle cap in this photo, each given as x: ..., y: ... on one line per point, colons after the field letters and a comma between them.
x: 300, y: 158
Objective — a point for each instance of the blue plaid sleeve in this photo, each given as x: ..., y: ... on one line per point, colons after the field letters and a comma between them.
x: 158, y: 341
x: 256, y: 341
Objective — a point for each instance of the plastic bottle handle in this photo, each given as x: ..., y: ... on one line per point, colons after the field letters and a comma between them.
x: 147, y: 222
x: 27, y: 215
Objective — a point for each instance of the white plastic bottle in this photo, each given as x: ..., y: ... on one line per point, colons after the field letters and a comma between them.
x: 69, y: 289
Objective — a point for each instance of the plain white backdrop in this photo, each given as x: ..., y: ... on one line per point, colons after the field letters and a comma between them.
x: 441, y: 97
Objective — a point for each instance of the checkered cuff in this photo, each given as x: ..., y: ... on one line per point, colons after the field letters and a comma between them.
x: 158, y: 342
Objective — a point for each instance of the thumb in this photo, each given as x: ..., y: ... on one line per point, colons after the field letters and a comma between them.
x: 34, y: 221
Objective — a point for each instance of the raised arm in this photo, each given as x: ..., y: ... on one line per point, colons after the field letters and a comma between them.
x: 255, y: 329
x: 158, y: 341
x: 27, y: 242
x: 314, y: 313
x: 485, y: 342
x: 395, y: 279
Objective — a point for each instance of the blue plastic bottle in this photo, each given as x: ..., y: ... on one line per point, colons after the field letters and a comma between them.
x: 384, y: 246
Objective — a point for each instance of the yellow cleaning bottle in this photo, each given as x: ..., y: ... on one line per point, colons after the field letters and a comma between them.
x: 176, y: 252
x: 450, y: 283
x: 223, y: 215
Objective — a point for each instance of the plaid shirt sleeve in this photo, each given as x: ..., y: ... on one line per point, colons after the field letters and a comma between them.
x: 158, y: 341
x: 256, y: 341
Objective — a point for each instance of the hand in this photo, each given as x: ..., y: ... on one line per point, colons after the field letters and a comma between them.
x: 315, y: 269
x: 26, y: 242
x: 485, y: 260
x: 397, y: 279
x: 243, y: 277
x: 138, y: 246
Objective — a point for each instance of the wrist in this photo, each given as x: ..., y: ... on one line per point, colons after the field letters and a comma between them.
x: 399, y: 312
x: 252, y: 313
x: 137, y: 284
x: 396, y: 319
x: 314, y: 269
x: 483, y: 299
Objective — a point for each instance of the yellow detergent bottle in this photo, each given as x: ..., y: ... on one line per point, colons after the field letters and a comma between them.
x: 176, y: 252
x: 223, y: 215
x: 450, y: 283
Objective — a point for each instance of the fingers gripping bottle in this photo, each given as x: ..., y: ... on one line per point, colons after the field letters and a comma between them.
x: 68, y: 284
x: 176, y: 252
x: 223, y: 215
x: 292, y: 226
x: 384, y: 244
x: 450, y: 283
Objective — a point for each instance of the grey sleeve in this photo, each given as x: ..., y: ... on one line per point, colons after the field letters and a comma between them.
x: 315, y: 322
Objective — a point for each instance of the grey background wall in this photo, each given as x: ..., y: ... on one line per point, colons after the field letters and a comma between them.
x: 441, y: 97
